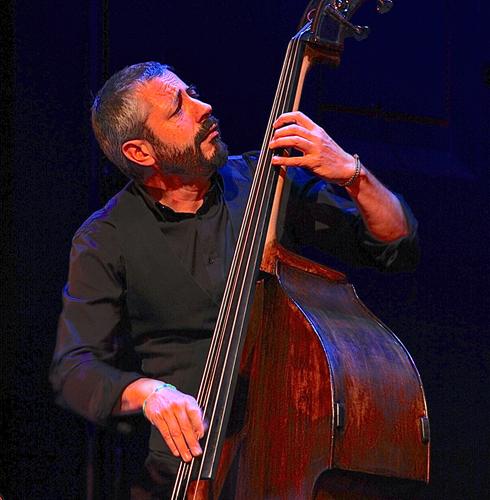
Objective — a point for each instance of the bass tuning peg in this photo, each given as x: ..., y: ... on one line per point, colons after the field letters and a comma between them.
x: 384, y: 6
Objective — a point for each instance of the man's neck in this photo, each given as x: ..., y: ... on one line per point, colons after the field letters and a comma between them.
x: 181, y: 194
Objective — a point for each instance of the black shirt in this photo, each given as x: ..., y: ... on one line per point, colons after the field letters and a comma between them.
x: 203, y: 241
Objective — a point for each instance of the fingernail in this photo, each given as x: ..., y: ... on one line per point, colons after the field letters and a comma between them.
x: 197, y: 450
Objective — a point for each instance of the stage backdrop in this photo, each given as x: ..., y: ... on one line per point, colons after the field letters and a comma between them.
x: 411, y: 100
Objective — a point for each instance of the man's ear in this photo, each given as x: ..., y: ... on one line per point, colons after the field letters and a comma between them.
x: 139, y: 151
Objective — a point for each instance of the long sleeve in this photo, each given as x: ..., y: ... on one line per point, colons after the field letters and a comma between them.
x: 91, y: 329
x: 320, y: 217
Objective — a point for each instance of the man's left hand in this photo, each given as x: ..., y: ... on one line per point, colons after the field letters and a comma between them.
x: 321, y: 154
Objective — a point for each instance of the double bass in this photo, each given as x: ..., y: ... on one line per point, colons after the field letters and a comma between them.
x: 306, y: 393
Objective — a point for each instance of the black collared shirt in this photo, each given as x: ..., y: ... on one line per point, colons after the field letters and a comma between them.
x: 203, y: 241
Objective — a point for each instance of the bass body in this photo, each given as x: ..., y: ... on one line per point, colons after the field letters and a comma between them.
x: 329, y: 403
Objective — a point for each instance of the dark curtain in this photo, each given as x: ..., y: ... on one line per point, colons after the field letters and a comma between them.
x: 411, y: 100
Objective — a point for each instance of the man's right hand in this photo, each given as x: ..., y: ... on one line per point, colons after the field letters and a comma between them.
x: 176, y: 415
x: 179, y: 419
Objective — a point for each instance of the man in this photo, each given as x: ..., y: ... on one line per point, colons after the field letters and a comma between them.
x: 147, y: 272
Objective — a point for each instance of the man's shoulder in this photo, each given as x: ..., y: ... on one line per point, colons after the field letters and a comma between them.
x: 243, y: 166
x: 239, y: 170
x: 240, y: 166
x: 112, y: 214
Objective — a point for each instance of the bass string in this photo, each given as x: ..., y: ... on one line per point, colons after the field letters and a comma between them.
x: 251, y: 219
x: 230, y: 291
x: 248, y: 224
x: 186, y: 472
x: 263, y: 166
x: 238, y: 256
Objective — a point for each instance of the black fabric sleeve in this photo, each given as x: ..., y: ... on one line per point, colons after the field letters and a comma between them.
x: 91, y: 328
x: 320, y: 216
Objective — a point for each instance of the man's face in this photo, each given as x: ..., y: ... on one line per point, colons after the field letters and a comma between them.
x: 184, y: 135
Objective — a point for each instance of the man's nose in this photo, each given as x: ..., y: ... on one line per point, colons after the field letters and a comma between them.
x: 203, y: 110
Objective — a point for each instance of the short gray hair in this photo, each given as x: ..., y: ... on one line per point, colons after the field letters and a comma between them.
x: 118, y: 117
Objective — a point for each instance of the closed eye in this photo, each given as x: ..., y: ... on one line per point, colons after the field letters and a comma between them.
x: 192, y: 91
x: 178, y: 107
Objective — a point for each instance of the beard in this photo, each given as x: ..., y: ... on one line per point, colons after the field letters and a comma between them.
x: 190, y: 160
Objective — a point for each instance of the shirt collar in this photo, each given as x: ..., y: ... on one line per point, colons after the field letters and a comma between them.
x: 213, y: 198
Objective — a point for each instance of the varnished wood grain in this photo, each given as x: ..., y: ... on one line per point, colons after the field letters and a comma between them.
x: 317, y: 346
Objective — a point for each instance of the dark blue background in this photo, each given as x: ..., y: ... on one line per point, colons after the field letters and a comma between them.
x: 412, y: 100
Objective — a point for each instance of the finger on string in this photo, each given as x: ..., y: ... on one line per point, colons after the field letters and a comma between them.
x: 187, y: 431
x: 292, y: 141
x: 293, y: 129
x: 176, y: 436
x: 290, y: 161
x: 195, y: 416
x: 162, y: 427
x: 294, y: 117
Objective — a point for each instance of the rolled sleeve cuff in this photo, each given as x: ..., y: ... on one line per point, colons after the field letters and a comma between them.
x: 92, y: 389
x: 401, y: 255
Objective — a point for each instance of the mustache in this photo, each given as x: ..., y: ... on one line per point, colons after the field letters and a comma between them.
x: 206, y: 126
